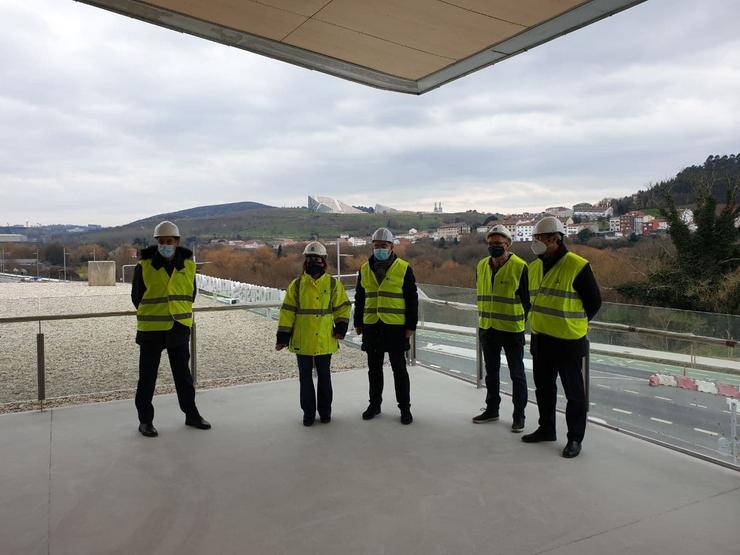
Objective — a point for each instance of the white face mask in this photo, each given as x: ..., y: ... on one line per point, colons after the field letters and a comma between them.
x: 538, y: 247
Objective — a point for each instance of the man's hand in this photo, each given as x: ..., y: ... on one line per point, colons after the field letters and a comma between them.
x: 408, y: 333
x: 280, y: 346
x: 358, y: 330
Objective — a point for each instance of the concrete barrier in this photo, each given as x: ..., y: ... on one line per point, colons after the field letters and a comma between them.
x: 101, y: 273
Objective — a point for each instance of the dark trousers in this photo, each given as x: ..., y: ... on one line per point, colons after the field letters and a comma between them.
x: 149, y: 357
x: 400, y: 377
x: 546, y: 367
x: 323, y: 394
x: 492, y: 341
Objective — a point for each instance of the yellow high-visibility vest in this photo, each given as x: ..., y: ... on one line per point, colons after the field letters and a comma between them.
x: 167, y: 299
x: 557, y: 309
x: 384, y: 301
x: 499, y: 307
x: 310, y: 309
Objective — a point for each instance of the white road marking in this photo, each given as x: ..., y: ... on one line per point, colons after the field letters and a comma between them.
x: 630, y: 391
x: 622, y: 411
x: 706, y: 432
x: 699, y: 406
x: 592, y: 404
x: 531, y: 389
x: 434, y: 366
x: 726, y: 412
x: 661, y: 420
x: 504, y: 383
x: 663, y: 398
x: 602, y: 385
x: 597, y: 420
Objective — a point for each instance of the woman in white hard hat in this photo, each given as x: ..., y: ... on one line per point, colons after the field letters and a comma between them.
x: 163, y: 291
x: 313, y: 318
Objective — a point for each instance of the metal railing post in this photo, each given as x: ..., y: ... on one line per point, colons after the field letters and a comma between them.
x: 194, y: 354
x: 40, y: 365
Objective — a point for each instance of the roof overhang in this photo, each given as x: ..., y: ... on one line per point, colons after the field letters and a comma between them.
x: 410, y: 46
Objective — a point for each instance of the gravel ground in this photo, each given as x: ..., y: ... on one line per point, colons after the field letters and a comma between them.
x: 97, y: 359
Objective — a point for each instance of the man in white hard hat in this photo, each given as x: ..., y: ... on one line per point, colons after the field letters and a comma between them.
x: 386, y: 313
x: 313, y: 318
x: 163, y: 291
x: 565, y: 296
x: 503, y: 302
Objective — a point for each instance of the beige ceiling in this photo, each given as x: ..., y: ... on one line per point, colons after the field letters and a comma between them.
x: 404, y: 45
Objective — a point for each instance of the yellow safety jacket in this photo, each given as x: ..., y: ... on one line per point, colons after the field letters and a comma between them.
x: 499, y: 307
x: 384, y: 301
x: 167, y: 299
x: 557, y: 309
x: 309, y: 311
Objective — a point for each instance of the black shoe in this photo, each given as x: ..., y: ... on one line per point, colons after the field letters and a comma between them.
x: 148, y: 430
x: 325, y: 419
x: 488, y: 415
x: 572, y: 448
x: 371, y: 412
x: 198, y: 422
x: 517, y: 426
x: 406, y: 417
x: 539, y: 435
x: 308, y: 421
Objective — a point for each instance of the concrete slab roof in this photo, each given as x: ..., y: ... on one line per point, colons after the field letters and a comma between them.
x: 410, y: 46
x: 82, y: 480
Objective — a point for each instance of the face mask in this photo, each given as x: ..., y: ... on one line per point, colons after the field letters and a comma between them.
x: 381, y: 254
x: 167, y: 251
x: 496, y: 250
x: 538, y: 247
x: 313, y: 268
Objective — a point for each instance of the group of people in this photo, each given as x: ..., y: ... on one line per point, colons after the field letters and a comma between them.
x: 556, y: 293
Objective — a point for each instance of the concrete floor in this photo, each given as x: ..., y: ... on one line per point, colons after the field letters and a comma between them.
x: 82, y: 480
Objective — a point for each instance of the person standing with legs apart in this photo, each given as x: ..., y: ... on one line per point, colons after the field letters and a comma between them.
x: 503, y: 302
x: 565, y: 297
x: 314, y: 316
x: 163, y: 291
x: 386, y: 313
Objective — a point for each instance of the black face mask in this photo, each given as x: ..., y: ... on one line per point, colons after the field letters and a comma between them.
x: 496, y: 251
x: 313, y: 268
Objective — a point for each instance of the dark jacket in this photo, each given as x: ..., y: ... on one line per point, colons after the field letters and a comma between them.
x: 387, y: 337
x: 588, y: 290
x: 178, y: 334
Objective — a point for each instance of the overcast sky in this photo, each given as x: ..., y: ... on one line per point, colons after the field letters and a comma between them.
x: 104, y: 119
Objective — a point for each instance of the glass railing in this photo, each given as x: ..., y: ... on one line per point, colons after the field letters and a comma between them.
x: 668, y: 388
x: 688, y: 402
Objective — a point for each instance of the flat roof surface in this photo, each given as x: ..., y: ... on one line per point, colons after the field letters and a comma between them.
x: 82, y: 480
x: 409, y: 46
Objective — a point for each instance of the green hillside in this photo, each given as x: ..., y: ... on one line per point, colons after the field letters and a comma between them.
x: 716, y: 173
x: 269, y: 223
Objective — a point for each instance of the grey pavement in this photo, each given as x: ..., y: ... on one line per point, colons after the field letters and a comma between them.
x: 82, y: 480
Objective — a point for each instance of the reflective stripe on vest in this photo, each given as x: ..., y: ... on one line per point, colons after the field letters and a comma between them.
x: 384, y: 301
x: 499, y: 307
x: 557, y: 309
x: 167, y: 299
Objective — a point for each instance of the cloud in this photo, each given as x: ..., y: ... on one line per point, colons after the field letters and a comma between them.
x: 104, y: 119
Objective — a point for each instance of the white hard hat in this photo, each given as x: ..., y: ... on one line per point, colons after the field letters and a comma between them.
x: 383, y: 234
x: 549, y: 224
x: 499, y: 230
x: 314, y: 248
x: 166, y: 229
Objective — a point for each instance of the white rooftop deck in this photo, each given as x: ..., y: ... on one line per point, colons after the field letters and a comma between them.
x: 82, y: 480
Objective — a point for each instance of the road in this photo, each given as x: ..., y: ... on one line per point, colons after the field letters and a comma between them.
x: 619, y: 395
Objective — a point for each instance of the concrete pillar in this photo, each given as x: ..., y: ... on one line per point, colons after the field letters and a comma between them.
x: 101, y: 273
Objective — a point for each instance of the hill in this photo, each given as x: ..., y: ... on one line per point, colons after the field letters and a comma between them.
x: 253, y: 221
x: 716, y: 173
